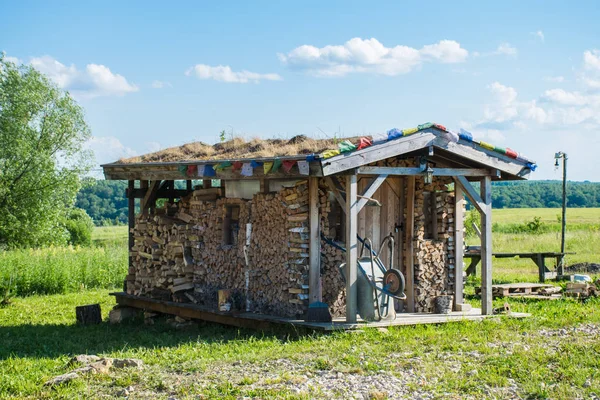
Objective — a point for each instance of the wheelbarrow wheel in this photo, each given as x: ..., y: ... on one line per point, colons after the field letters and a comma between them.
x: 393, y: 281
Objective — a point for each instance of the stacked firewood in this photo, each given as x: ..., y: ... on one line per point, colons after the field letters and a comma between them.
x: 279, y: 252
x: 185, y: 252
x: 432, y: 259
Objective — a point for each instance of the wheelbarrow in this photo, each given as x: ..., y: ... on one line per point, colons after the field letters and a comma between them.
x: 377, y: 286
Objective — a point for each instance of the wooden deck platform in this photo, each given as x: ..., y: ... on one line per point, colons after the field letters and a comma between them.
x: 266, y: 322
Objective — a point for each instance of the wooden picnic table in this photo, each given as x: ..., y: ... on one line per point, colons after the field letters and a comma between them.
x: 539, y: 258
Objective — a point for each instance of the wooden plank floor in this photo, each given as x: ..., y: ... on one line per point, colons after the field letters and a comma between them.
x: 266, y: 322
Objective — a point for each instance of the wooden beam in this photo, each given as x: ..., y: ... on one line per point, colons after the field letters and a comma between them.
x: 459, y: 232
x: 161, y: 193
x: 471, y: 193
x: 264, y: 186
x: 377, y: 152
x: 403, y: 171
x: 336, y: 192
x: 410, y: 232
x: 131, y: 220
x: 484, y: 156
x: 170, y: 171
x: 486, y: 247
x: 150, y: 196
x: 401, y: 223
x: 370, y: 191
x: 314, y: 272
x: 351, y: 248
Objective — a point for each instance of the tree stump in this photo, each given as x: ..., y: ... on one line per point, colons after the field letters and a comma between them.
x: 90, y: 314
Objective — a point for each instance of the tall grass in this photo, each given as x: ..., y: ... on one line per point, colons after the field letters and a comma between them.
x: 56, y: 270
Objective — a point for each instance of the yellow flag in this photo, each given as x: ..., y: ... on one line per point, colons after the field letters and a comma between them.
x: 267, y: 166
x: 410, y: 131
x: 330, y: 153
x: 486, y: 145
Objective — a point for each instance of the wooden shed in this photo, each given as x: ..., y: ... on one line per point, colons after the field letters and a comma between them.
x: 263, y: 222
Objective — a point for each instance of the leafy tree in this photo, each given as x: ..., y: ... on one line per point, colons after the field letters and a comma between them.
x: 42, y: 131
x: 80, y: 227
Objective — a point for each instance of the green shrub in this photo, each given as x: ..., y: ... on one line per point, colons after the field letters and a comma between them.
x: 80, y: 227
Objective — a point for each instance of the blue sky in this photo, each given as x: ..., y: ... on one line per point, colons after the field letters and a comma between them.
x: 150, y: 74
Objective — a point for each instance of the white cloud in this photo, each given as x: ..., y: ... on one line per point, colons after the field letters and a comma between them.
x: 161, y: 85
x: 224, y: 73
x: 94, y: 81
x: 563, y: 97
x: 556, y: 79
x: 591, y: 60
x: 506, y: 49
x: 592, y: 84
x: 370, y: 56
x: 108, y: 149
x: 539, y: 35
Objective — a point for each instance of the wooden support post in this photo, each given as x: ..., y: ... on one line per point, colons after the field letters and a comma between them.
x: 314, y: 272
x: 410, y: 232
x: 264, y: 186
x: 539, y: 260
x: 188, y: 185
x: 459, y: 231
x: 401, y: 228
x: 131, y: 218
x: 336, y: 192
x: 150, y: 196
x: 351, y: 248
x: 206, y: 183
x: 486, y: 247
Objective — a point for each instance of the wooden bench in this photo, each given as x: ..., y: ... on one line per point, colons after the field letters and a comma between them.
x: 474, y: 253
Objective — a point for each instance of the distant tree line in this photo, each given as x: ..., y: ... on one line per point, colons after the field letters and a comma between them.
x: 544, y: 194
x: 104, y: 201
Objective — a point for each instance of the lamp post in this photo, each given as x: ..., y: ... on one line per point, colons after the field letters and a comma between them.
x: 564, y: 157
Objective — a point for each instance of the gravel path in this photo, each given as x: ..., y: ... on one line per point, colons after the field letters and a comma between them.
x: 402, y: 380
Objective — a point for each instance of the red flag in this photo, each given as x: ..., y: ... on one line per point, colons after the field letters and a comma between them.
x: 288, y: 164
x: 237, y: 165
x: 191, y: 170
x: 363, y: 142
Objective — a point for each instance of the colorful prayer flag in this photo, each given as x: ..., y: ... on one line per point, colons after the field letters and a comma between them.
x: 394, y: 133
x: 486, y: 145
x: 237, y: 165
x: 201, y: 169
x: 255, y: 164
x: 191, y: 170
x: 247, y: 169
x: 267, y: 166
x: 223, y: 165
x: 363, y: 142
x: 288, y: 164
x: 409, y: 131
x: 345, y: 146
x: 464, y: 135
x: 182, y: 169
x: 379, y: 138
x: 276, y: 165
x: 330, y: 153
x: 303, y: 167
x: 209, y: 170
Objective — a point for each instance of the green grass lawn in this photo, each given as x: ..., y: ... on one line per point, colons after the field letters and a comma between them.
x: 38, y: 335
x: 548, y: 215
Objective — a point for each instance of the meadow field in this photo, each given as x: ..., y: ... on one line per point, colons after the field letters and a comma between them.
x: 552, y: 354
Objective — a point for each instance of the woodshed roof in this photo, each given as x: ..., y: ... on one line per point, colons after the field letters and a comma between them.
x: 319, y: 157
